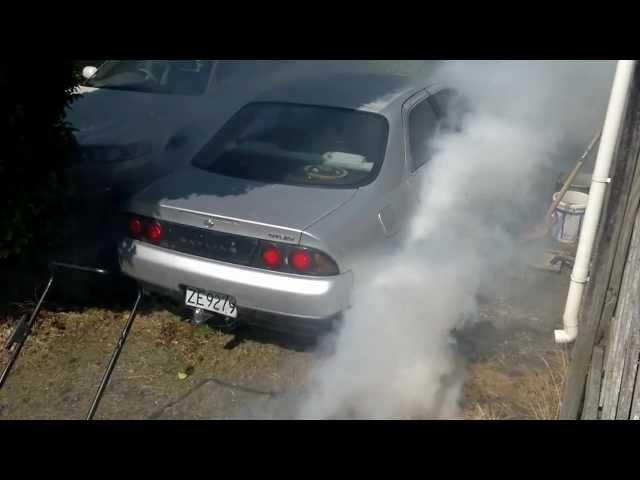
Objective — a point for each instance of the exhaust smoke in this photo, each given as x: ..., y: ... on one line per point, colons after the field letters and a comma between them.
x: 395, y: 357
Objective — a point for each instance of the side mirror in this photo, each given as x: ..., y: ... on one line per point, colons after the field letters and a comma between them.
x: 88, y: 72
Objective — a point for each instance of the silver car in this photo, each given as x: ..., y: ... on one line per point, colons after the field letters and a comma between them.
x: 279, y: 208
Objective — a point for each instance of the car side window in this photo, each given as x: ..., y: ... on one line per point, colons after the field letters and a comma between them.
x: 451, y: 108
x: 423, y: 123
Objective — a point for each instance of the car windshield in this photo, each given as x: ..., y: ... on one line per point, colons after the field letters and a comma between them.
x: 182, y: 77
x: 299, y: 145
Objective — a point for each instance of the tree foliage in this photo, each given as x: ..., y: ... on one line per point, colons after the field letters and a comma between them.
x: 37, y: 148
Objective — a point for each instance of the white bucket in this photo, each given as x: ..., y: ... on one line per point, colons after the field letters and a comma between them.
x: 568, y: 216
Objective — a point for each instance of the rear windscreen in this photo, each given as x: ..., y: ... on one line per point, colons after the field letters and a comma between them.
x: 299, y: 145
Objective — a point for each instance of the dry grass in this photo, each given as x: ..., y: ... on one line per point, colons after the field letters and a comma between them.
x: 65, y: 356
x: 492, y: 411
x: 502, y: 389
x: 544, y: 402
x: 68, y: 351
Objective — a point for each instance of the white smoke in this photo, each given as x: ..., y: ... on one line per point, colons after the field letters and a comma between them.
x: 393, y: 358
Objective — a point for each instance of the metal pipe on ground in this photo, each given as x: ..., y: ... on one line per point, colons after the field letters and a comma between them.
x: 114, y: 358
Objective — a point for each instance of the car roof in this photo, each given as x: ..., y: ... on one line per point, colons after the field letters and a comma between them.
x: 377, y: 93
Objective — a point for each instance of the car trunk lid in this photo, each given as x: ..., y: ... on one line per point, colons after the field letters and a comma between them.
x: 239, y: 207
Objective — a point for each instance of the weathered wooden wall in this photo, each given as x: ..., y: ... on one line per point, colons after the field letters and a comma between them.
x: 623, y: 342
x: 590, y: 357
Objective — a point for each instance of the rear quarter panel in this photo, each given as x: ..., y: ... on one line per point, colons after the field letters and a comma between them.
x: 353, y: 233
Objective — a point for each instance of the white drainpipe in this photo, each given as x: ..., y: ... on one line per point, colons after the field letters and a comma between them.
x: 610, y: 134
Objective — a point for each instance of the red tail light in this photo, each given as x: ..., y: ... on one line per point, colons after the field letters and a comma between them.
x: 154, y: 233
x: 135, y: 227
x: 272, y: 257
x: 301, y: 260
x: 294, y: 259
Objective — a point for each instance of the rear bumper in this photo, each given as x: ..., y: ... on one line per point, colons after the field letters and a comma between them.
x: 312, y: 298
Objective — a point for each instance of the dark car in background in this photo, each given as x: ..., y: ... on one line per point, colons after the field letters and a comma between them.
x: 138, y: 120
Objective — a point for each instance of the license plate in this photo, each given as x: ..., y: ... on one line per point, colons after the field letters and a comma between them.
x: 211, y: 301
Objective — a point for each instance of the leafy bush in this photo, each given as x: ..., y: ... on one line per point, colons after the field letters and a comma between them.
x: 38, y: 145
